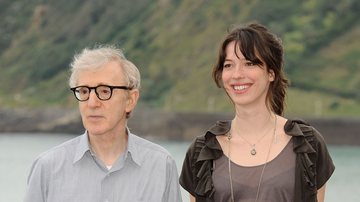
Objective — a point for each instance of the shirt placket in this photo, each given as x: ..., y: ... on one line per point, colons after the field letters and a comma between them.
x: 107, y: 188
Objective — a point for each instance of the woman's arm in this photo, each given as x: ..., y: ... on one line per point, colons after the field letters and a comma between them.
x: 321, y: 194
x: 192, y: 198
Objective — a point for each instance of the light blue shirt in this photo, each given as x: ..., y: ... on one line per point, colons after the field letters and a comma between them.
x: 70, y: 172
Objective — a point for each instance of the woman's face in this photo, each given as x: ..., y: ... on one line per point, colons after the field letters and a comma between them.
x: 246, y: 84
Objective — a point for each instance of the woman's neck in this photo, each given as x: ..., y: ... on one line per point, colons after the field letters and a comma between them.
x: 252, y: 123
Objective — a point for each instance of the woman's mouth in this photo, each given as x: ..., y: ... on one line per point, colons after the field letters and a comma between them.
x: 240, y: 87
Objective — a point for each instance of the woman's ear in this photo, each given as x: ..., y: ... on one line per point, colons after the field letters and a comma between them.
x: 271, y: 75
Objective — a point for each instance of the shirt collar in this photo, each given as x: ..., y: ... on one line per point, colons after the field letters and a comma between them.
x: 82, y: 147
x: 133, y: 148
x: 131, y: 151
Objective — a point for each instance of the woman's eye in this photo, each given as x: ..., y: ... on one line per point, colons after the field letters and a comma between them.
x: 250, y: 64
x: 227, y: 65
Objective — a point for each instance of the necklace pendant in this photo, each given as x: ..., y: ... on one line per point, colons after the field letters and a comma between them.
x: 253, y: 151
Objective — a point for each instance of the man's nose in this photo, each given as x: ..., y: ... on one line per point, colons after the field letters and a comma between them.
x: 93, y: 98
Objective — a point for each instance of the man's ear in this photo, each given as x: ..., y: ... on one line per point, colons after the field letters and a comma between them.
x: 132, y: 100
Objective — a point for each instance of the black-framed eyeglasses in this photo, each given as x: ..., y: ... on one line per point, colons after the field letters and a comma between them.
x: 103, y: 92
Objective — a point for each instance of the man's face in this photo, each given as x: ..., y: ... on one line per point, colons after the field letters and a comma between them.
x: 109, y: 116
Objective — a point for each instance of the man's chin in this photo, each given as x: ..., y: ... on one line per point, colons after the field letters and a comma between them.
x: 95, y: 131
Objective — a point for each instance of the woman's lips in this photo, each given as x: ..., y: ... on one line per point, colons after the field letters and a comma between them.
x: 240, y: 88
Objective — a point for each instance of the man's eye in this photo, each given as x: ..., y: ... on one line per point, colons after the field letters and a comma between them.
x: 83, y: 91
x: 105, y: 91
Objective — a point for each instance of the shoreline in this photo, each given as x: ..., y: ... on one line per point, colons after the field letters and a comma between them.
x: 153, y: 124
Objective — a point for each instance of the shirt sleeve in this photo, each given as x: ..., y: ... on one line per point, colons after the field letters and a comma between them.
x: 36, y: 183
x: 186, y: 176
x: 324, y: 165
x: 172, y: 190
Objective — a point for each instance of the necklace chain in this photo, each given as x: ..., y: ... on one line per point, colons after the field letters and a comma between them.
x: 263, y: 169
x: 253, y: 149
x: 253, y: 145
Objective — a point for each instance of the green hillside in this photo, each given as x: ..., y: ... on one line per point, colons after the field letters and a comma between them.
x: 174, y: 43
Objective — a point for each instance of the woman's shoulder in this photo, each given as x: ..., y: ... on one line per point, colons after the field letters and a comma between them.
x: 218, y: 128
x: 207, y: 142
x: 297, y: 127
x: 301, y: 128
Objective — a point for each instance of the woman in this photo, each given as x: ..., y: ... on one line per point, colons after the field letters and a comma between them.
x: 259, y: 155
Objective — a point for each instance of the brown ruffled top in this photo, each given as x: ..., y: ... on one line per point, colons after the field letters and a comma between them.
x: 314, y: 165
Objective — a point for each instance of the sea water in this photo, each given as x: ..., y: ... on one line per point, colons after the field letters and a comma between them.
x: 17, y: 152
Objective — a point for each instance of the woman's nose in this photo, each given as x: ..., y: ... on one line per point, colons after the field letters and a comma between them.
x: 238, y: 71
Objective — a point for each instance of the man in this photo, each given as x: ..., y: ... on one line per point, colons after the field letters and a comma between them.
x: 108, y: 163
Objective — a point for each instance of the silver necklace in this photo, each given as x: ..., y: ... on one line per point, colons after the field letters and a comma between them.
x: 253, y: 145
x: 262, y: 171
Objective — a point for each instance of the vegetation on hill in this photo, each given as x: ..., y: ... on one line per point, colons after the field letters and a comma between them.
x: 174, y: 43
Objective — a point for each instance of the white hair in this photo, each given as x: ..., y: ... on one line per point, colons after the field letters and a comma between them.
x: 99, y: 56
